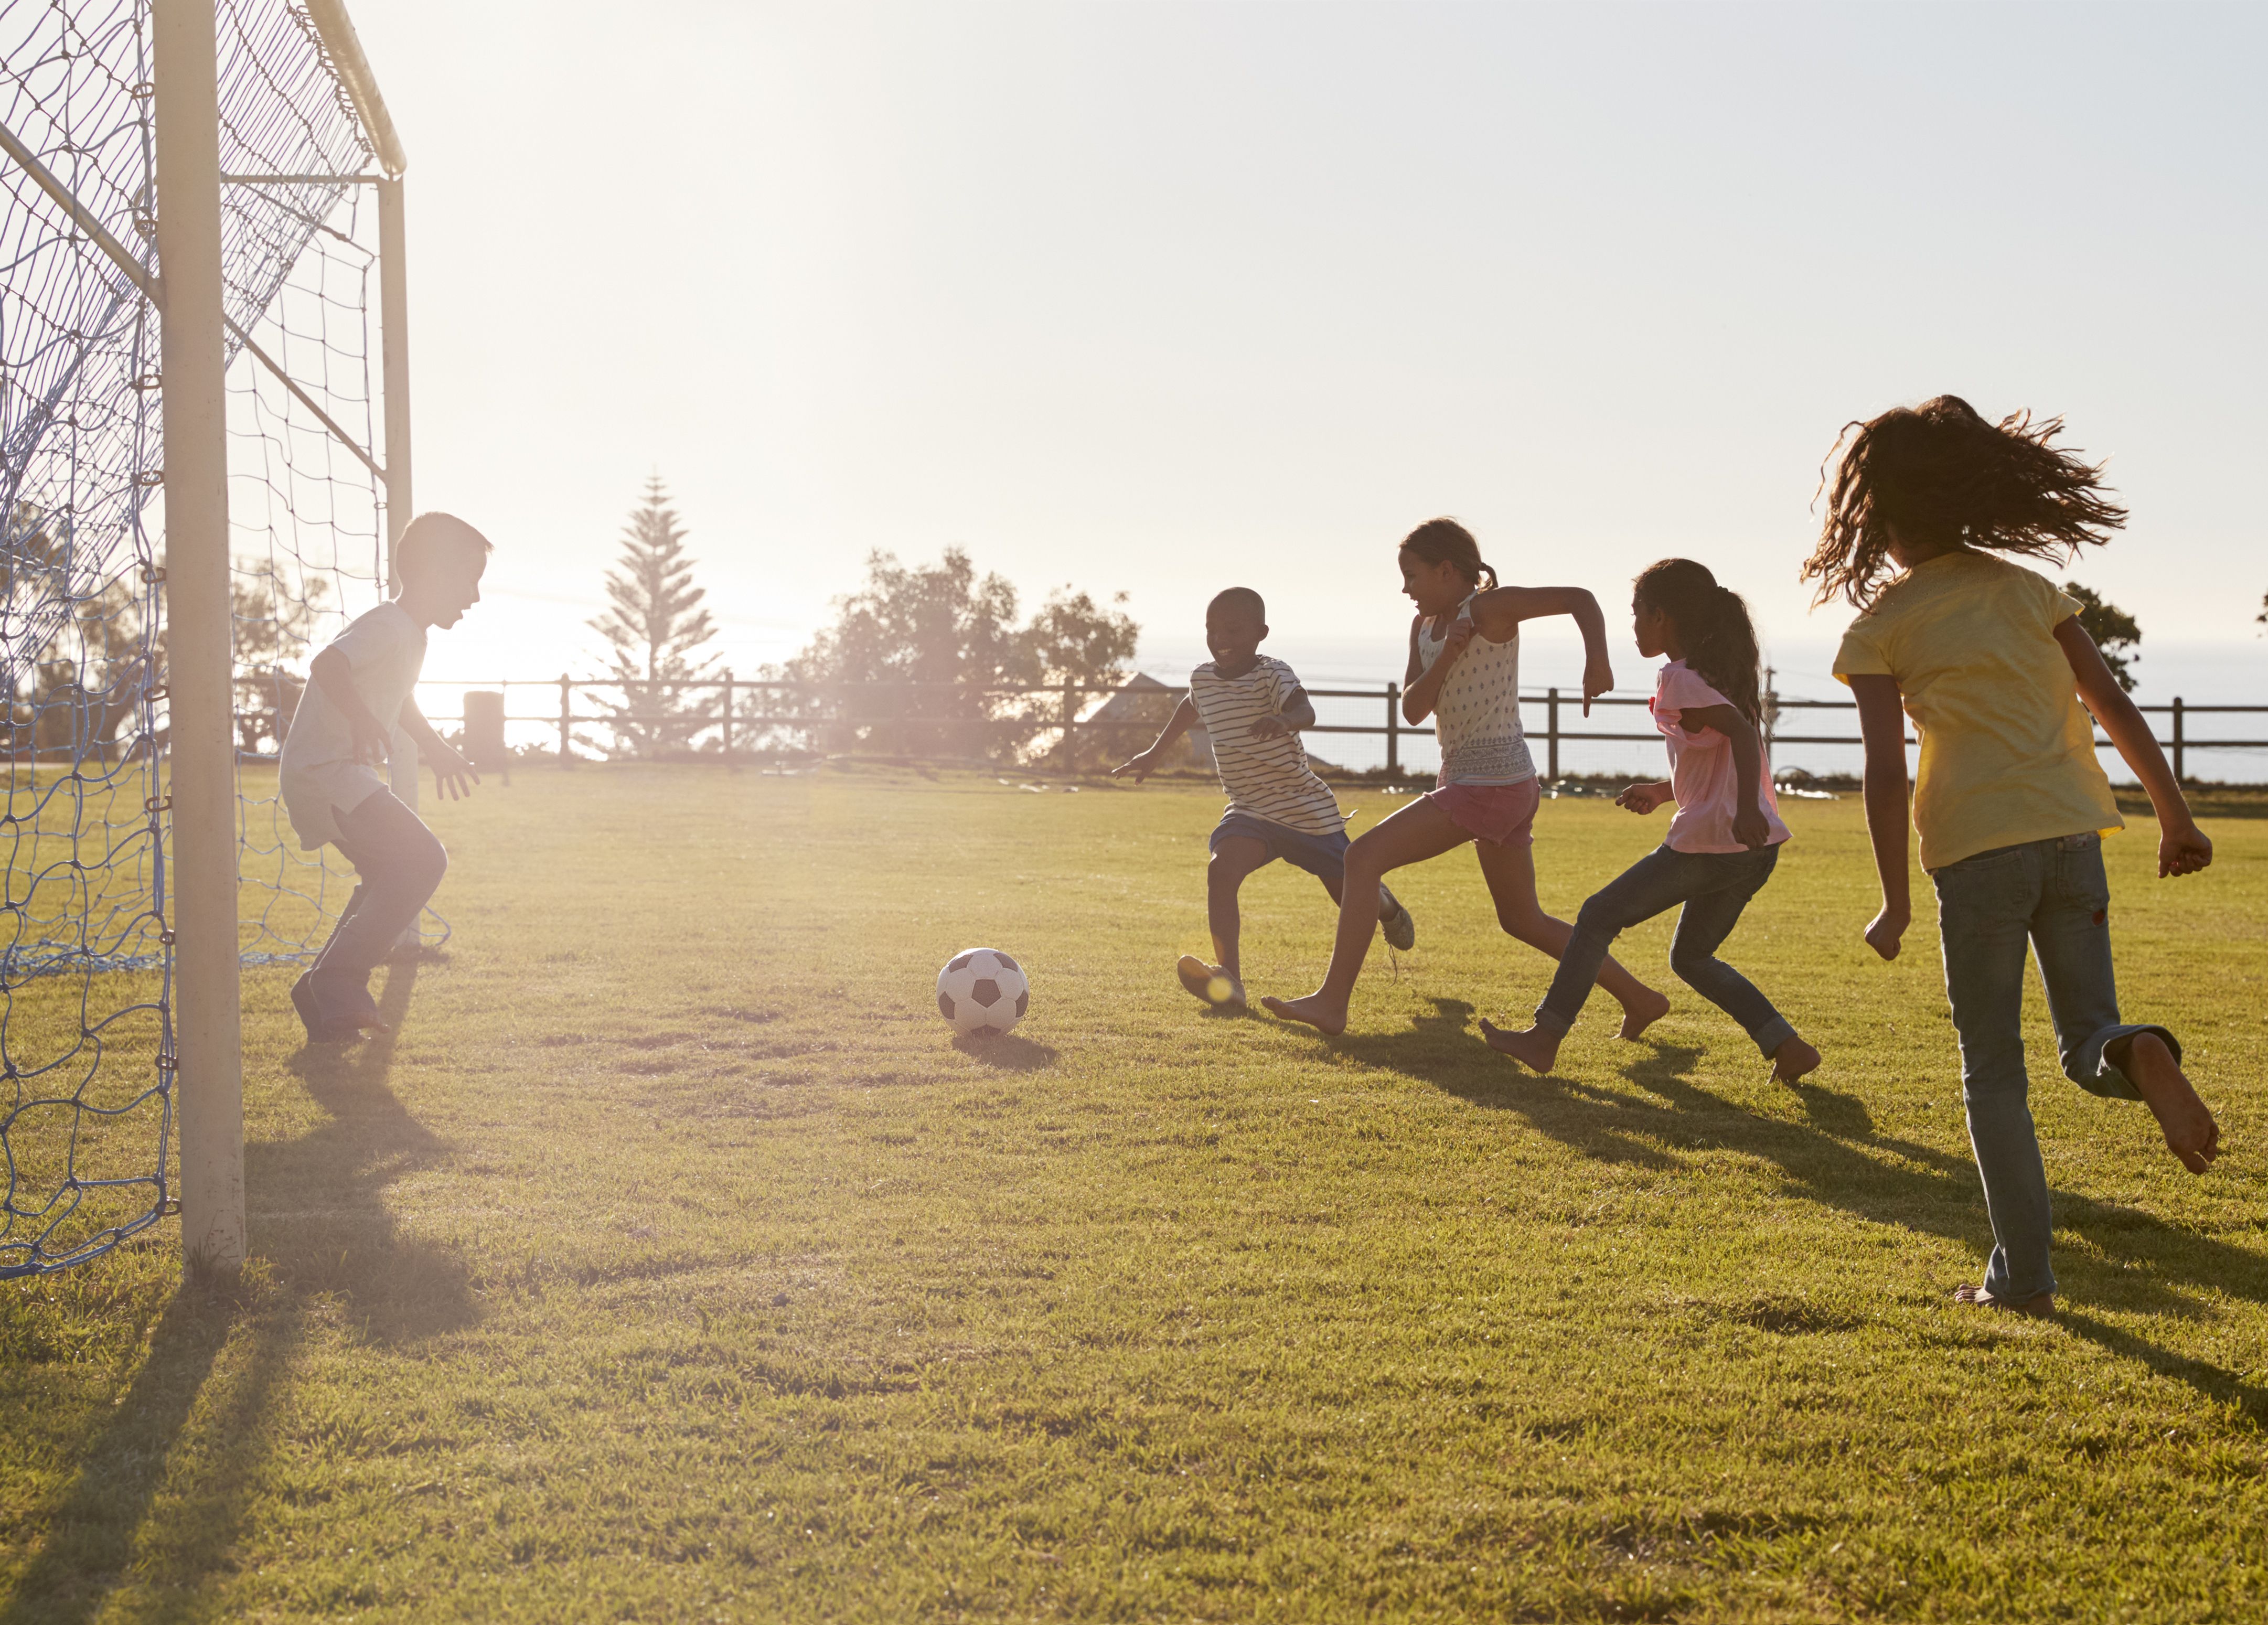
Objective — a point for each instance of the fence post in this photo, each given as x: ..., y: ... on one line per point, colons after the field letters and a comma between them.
x: 1771, y: 718
x: 566, y: 719
x: 1070, y: 721
x: 2179, y: 776
x: 1393, y: 739
x: 1551, y: 731
x: 728, y: 713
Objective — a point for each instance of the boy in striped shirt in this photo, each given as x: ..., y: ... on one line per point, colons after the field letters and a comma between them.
x: 1253, y: 709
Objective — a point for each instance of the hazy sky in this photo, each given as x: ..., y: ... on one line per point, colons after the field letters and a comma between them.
x: 1163, y: 298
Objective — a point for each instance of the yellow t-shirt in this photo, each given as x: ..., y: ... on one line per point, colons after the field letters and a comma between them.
x: 2008, y: 751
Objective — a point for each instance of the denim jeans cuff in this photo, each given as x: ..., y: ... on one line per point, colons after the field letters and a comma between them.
x: 2096, y: 1075
x: 1547, y: 1021
x: 1772, y: 1034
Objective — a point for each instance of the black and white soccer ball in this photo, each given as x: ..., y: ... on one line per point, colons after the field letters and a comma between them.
x: 983, y: 992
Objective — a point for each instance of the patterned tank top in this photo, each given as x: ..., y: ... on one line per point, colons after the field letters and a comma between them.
x: 1477, y: 716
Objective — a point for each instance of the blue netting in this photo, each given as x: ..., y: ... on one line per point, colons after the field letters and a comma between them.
x: 85, y: 1033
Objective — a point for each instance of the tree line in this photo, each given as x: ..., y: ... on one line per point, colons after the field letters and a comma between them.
x: 920, y: 659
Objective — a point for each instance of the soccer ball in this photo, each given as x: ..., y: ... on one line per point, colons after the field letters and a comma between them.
x: 983, y: 992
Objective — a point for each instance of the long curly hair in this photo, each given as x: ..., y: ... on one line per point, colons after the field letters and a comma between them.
x: 1941, y: 474
x: 1713, y: 622
x: 1445, y: 541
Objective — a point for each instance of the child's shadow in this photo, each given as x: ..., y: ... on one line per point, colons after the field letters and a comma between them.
x: 1007, y: 1053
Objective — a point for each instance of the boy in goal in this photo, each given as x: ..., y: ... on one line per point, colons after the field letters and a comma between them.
x: 332, y: 778
x: 1252, y: 708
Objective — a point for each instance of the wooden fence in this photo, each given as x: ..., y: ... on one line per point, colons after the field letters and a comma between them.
x: 737, y: 719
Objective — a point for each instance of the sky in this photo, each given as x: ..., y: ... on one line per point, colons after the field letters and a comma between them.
x: 1160, y: 298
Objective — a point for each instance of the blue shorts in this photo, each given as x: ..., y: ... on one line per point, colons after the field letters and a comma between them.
x: 1323, y: 856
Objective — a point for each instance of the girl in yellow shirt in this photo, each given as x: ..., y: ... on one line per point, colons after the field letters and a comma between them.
x: 1991, y: 665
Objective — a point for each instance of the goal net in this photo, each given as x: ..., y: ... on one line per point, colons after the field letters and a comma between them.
x: 86, y: 969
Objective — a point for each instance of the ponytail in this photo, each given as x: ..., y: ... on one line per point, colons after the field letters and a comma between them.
x: 1713, y: 622
x: 1445, y: 541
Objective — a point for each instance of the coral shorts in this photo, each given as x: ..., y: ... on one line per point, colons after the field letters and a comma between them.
x: 1498, y: 813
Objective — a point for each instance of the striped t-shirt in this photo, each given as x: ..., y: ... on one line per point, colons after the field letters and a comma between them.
x: 1268, y: 778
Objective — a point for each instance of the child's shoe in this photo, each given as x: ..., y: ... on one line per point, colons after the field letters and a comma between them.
x: 1401, y: 930
x: 1215, y: 986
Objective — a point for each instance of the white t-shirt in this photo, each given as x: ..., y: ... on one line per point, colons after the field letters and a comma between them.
x: 1702, y: 772
x: 1268, y: 778
x: 385, y: 650
x: 1476, y: 714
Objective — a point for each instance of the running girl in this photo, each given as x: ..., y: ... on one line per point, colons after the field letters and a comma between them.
x: 1464, y: 673
x: 1724, y: 841
x: 1990, y: 661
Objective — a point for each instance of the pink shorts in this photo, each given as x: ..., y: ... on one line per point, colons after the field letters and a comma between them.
x: 1498, y: 813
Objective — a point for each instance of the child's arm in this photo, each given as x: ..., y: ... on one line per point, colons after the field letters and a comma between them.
x: 1646, y: 797
x: 2182, y: 848
x: 334, y: 673
x: 1422, y: 689
x: 1748, y: 825
x: 1297, y: 713
x: 1141, y: 766
x: 1498, y: 612
x: 1882, y: 725
x: 450, y: 768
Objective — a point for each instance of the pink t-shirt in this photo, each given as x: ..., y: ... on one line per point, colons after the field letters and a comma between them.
x: 1702, y: 774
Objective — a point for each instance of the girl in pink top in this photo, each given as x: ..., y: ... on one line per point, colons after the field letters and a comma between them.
x: 1725, y: 840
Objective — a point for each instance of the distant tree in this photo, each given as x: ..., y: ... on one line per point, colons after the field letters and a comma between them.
x: 2113, y: 630
x: 924, y: 652
x: 655, y: 624
x: 271, y: 624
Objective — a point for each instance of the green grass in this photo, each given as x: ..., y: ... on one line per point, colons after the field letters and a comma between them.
x: 670, y: 1263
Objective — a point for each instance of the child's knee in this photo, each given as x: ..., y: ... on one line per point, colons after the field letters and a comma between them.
x: 1519, y: 921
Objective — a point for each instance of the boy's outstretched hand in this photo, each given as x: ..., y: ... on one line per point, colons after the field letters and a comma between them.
x: 2182, y: 850
x: 1140, y: 766
x: 450, y: 772
x: 1644, y: 799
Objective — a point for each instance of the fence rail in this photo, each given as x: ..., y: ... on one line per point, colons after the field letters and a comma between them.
x: 737, y: 716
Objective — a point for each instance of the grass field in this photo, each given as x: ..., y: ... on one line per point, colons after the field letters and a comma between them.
x: 671, y: 1264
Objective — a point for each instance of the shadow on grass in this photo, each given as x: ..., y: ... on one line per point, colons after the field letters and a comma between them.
x: 1007, y: 1053
x: 1837, y: 1158
x: 165, y: 1474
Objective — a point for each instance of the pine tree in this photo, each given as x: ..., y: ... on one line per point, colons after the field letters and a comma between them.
x: 655, y: 625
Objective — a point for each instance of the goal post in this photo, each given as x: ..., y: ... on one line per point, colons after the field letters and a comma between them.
x: 208, y: 1053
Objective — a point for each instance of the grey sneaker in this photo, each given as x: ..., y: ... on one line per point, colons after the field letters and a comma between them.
x: 1401, y: 930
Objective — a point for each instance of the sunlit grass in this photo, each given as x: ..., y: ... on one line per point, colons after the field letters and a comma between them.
x: 670, y: 1262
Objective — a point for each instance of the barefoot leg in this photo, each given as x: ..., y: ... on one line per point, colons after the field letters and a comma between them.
x: 1420, y: 830
x: 1792, y: 1060
x: 2190, y: 1133
x: 1537, y: 1048
x: 1510, y: 871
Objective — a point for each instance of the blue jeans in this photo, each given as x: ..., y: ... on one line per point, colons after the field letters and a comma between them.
x: 2053, y: 893
x: 398, y: 863
x: 1714, y: 886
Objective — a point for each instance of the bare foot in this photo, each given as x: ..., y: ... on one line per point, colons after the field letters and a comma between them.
x: 1793, y: 1059
x: 1210, y: 982
x: 1643, y: 1013
x: 1534, y: 1048
x: 2040, y: 1306
x: 2190, y: 1132
x: 1314, y: 1009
